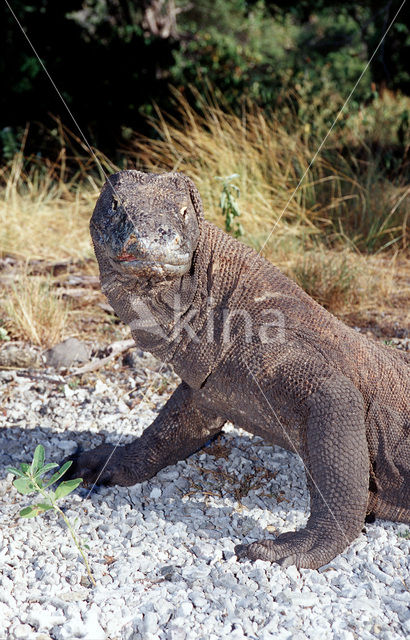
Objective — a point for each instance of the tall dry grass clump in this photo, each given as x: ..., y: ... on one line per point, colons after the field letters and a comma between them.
x: 330, y: 235
x: 45, y: 209
x: 339, y: 200
x: 269, y: 162
x: 35, y: 312
x: 45, y: 206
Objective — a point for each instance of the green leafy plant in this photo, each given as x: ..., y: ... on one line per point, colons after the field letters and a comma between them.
x: 30, y: 479
x: 229, y: 205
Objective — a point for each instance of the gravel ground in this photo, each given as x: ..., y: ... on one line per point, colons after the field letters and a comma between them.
x: 162, y: 552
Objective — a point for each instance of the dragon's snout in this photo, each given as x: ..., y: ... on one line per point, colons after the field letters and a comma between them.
x: 161, y: 250
x: 133, y: 249
x: 163, y: 243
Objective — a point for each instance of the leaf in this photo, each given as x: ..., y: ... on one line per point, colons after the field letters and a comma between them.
x: 35, y: 510
x: 15, y: 471
x: 67, y: 487
x: 47, y: 467
x: 29, y: 512
x: 57, y: 475
x: 239, y: 230
x: 24, y: 467
x: 38, y: 459
x: 44, y: 506
x: 23, y: 485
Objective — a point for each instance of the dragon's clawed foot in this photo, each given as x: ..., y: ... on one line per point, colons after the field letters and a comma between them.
x: 305, y: 549
x: 102, y: 465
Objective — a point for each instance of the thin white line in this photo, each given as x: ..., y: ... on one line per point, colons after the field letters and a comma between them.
x: 330, y: 130
x: 297, y: 452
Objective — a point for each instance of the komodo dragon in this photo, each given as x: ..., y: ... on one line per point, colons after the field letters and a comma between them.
x: 252, y: 347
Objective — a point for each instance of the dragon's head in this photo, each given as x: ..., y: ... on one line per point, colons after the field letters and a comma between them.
x: 147, y: 225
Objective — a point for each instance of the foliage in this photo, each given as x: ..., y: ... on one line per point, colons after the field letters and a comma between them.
x: 229, y: 205
x: 4, y: 335
x: 97, y: 52
x: 111, y: 62
x: 30, y: 479
x: 347, y: 197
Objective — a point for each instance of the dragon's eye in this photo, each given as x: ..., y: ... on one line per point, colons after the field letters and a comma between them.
x: 114, y: 204
x: 184, y: 212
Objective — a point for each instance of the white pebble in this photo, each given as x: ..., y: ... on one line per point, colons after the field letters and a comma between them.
x: 100, y: 387
x: 198, y: 599
x: 197, y: 572
x: 303, y: 599
x: 162, y: 552
x: 184, y: 610
x: 23, y: 631
x: 92, y: 627
x: 150, y: 624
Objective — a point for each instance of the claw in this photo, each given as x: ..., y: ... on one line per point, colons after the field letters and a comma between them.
x: 241, y: 551
x: 70, y: 473
x: 287, y: 561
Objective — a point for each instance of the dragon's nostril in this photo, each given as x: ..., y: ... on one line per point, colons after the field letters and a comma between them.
x: 131, y: 240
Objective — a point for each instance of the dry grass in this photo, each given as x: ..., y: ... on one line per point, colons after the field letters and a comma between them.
x: 45, y: 208
x: 347, y: 282
x: 268, y: 160
x: 34, y: 312
x: 340, y: 202
x: 331, y: 278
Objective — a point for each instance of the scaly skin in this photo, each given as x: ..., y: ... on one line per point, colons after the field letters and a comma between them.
x: 307, y: 383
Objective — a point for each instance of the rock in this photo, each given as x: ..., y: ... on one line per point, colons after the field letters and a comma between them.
x: 140, y: 360
x: 168, y: 572
x: 92, y: 628
x: 22, y: 631
x: 68, y: 446
x: 133, y: 359
x: 150, y: 624
x: 66, y: 353
x: 184, y: 610
x: 19, y: 356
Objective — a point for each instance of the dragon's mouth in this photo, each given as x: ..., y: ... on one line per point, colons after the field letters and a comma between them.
x: 153, y: 266
x: 126, y: 257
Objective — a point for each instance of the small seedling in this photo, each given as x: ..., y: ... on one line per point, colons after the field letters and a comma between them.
x: 30, y: 480
x: 229, y: 205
